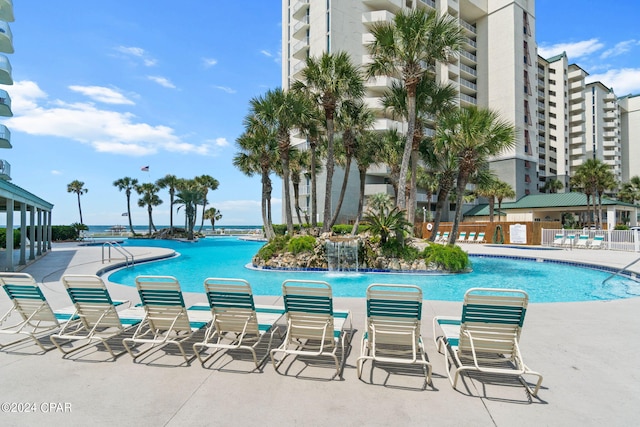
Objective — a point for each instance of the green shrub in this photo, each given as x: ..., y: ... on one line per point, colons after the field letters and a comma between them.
x: 346, y: 228
x: 621, y: 227
x: 394, y: 249
x: 63, y: 232
x: 3, y: 238
x: 275, y: 246
x: 301, y: 244
x: 281, y: 229
x: 448, y: 257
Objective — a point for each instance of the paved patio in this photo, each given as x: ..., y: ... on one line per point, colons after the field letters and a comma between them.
x: 587, y: 353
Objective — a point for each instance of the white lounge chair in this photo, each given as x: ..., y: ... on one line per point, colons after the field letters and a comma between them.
x: 99, y: 319
x: 558, y: 239
x: 33, y: 318
x: 462, y: 237
x: 486, y: 336
x: 393, y: 324
x: 166, y: 320
x: 237, y: 321
x: 583, y: 241
x: 445, y: 238
x: 570, y: 240
x: 313, y: 327
x: 471, y: 237
x: 480, y: 238
x: 597, y: 242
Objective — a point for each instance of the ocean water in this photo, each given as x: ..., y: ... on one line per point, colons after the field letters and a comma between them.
x: 109, y: 229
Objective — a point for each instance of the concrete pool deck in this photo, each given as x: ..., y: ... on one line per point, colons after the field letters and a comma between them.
x: 586, y: 351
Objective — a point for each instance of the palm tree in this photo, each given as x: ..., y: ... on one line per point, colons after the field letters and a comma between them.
x: 408, y: 49
x: 298, y: 162
x: 213, y: 215
x: 475, y: 135
x: 78, y: 188
x: 190, y: 195
x: 605, y: 180
x: 427, y: 180
x: 593, y: 177
x: 630, y: 191
x: 329, y: 80
x: 258, y: 155
x: 171, y: 182
x: 284, y: 111
x: 208, y: 183
x: 149, y: 193
x: 354, y: 119
x: 553, y: 186
x: 580, y: 181
x: 127, y: 184
x: 367, y: 151
x: 391, y: 154
x: 503, y: 191
x: 311, y: 127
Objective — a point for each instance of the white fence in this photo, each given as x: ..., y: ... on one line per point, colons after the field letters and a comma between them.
x: 617, y: 240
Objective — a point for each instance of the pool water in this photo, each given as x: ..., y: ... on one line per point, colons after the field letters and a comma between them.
x: 228, y: 257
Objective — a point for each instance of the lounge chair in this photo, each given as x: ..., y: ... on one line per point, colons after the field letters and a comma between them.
x: 558, y: 239
x: 570, y: 240
x: 236, y: 319
x: 462, y: 237
x: 313, y: 327
x: 36, y: 317
x: 445, y: 238
x: 488, y: 330
x: 99, y: 319
x: 480, y: 238
x: 583, y: 241
x: 471, y: 237
x: 166, y: 319
x: 392, y: 334
x: 597, y: 242
x: 437, y: 238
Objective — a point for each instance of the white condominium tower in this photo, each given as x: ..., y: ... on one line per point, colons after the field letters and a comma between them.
x: 496, y: 69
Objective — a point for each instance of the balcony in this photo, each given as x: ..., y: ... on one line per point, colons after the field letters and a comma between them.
x: 471, y: 28
x: 5, y: 170
x: 470, y: 56
x: 468, y: 99
x: 301, y: 48
x: 575, y: 74
x: 578, y: 118
x: 470, y: 42
x: 297, y: 69
x: 6, y: 10
x: 470, y: 71
x: 371, y: 189
x: 610, y: 115
x: 385, y: 124
x: 609, y: 124
x: 5, y: 137
x: 610, y: 134
x: 577, y: 140
x: 468, y: 84
x: 576, y: 129
x: 430, y: 3
x: 5, y: 71
x: 579, y: 151
x: 6, y: 38
x: 576, y: 97
x: 577, y: 107
x: 379, y: 83
x: 392, y: 5
x: 379, y: 170
x: 301, y: 25
x: 370, y: 18
x: 298, y: 6
x: 5, y: 104
x: 610, y: 97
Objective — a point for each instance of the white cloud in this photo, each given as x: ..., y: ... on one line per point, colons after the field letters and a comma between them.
x: 162, y: 81
x: 209, y: 62
x: 225, y: 89
x: 222, y: 142
x: 102, y: 94
x: 623, y: 81
x: 104, y: 130
x: 573, y: 50
x: 137, y: 52
x: 266, y: 53
x: 620, y: 48
x: 56, y: 172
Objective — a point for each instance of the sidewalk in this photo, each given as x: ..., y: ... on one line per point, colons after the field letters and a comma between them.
x: 586, y: 352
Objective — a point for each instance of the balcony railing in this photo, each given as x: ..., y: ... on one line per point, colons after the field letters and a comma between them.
x: 5, y: 137
x: 6, y: 10
x: 5, y: 71
x: 466, y: 25
x: 5, y: 170
x: 468, y: 70
x: 5, y: 104
x: 468, y: 55
x: 299, y: 5
x: 469, y: 99
x: 6, y: 38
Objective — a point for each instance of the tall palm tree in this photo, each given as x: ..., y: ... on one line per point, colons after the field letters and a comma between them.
x: 149, y: 193
x: 553, y: 186
x: 407, y: 49
x: 605, y: 180
x: 391, y: 146
x: 354, y: 119
x: 284, y: 111
x: 127, y: 184
x: 366, y: 154
x: 475, y: 134
x: 258, y: 154
x: 208, y: 183
x: 329, y: 80
x: 630, y: 191
x: 298, y: 163
x: 311, y: 127
x: 428, y: 180
x: 503, y: 191
x: 190, y: 195
x: 171, y: 182
x: 78, y: 188
x: 213, y: 215
x: 581, y: 181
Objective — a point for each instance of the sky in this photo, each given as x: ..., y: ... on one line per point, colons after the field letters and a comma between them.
x: 103, y: 89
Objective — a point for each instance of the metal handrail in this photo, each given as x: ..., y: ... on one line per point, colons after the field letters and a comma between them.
x: 120, y: 249
x: 619, y: 271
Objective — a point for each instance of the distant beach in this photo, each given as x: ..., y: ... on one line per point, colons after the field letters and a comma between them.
x: 123, y: 229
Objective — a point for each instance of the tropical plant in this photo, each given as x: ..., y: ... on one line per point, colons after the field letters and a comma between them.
x: 594, y: 177
x: 329, y: 80
x: 77, y: 187
x: 366, y: 153
x: 408, y: 49
x: 474, y: 135
x: 311, y: 127
x: 298, y: 162
x: 149, y: 193
x: 213, y: 215
x: 503, y: 191
x: 282, y: 111
x: 552, y: 186
x: 170, y: 182
x: 258, y: 154
x: 630, y: 191
x: 190, y: 195
x: 354, y: 119
x: 127, y: 184
x: 428, y: 180
x: 300, y: 244
x: 206, y: 183
x: 391, y: 155
x: 383, y: 222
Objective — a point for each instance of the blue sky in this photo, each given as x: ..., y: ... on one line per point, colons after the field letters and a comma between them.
x: 105, y: 88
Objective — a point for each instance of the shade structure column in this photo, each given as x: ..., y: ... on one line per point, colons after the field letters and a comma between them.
x: 32, y: 233
x: 39, y: 233
x: 49, y: 230
x: 45, y: 231
x: 23, y: 234
x: 8, y: 264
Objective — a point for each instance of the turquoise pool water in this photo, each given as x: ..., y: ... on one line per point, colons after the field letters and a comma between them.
x: 227, y: 257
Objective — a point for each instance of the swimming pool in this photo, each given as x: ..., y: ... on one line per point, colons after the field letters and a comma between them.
x: 227, y: 257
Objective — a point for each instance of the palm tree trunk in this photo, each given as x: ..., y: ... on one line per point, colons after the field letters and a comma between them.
x: 343, y: 190
x: 492, y: 202
x: 314, y: 194
x: 129, y: 212
x: 150, y: 219
x: 283, y: 146
x: 460, y: 186
x: 266, y: 206
x: 296, y: 198
x: 171, y: 198
x: 80, y: 208
x: 326, y: 215
x: 406, y: 155
x: 413, y: 202
x: 204, y: 207
x: 363, y: 174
